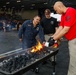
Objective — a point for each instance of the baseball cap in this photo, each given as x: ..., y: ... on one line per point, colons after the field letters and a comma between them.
x: 47, y: 12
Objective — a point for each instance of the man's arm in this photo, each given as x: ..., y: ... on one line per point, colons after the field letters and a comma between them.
x: 41, y: 34
x: 60, y: 32
x: 57, y: 31
x: 21, y: 30
x: 56, y: 28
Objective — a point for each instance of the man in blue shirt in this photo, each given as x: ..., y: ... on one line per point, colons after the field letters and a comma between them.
x: 28, y: 32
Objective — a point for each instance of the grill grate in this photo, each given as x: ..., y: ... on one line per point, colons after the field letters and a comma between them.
x: 21, y: 61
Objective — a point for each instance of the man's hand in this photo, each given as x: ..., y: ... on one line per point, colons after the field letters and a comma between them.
x: 51, y: 41
x: 20, y: 40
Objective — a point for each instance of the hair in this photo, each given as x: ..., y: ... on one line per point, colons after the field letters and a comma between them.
x: 47, y: 11
x: 36, y: 16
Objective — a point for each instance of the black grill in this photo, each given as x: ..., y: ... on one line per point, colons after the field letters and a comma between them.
x: 20, y: 61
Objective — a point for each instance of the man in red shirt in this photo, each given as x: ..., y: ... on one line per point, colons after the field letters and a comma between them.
x: 67, y: 28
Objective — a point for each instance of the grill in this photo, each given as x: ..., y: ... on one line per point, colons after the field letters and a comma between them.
x: 19, y: 61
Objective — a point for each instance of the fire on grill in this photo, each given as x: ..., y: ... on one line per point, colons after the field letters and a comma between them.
x: 12, y: 62
x: 36, y: 48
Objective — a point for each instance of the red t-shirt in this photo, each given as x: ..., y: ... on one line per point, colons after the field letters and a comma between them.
x: 69, y: 19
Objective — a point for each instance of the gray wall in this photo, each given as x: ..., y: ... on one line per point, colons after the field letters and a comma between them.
x: 27, y: 14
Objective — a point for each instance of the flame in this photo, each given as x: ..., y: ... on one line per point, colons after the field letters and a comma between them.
x: 36, y: 48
